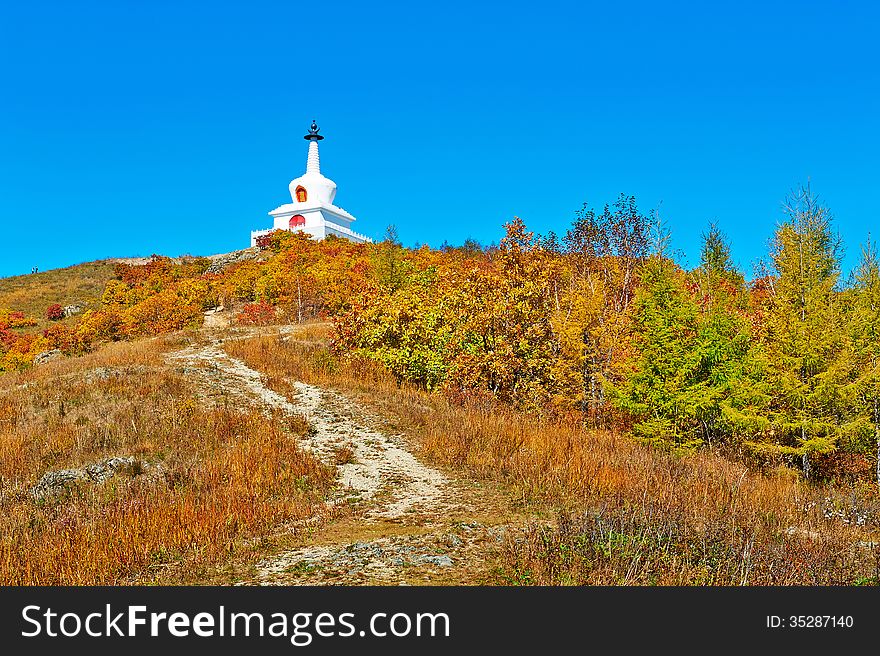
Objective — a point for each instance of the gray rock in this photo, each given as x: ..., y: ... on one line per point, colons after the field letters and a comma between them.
x: 47, y: 356
x: 102, y: 373
x: 220, y: 262
x: 101, y: 471
x: 439, y: 561
x: 106, y: 373
x: 73, y: 308
x: 454, y: 541
x: 58, y: 482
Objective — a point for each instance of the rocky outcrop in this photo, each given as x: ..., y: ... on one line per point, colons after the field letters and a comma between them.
x: 73, y: 308
x: 47, y: 356
x: 220, y: 262
x: 59, y: 482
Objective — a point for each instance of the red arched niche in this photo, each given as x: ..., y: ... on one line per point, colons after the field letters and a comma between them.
x: 301, y: 194
x: 297, y: 220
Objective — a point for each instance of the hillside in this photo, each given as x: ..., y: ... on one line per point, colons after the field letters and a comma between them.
x: 541, y: 412
x: 81, y: 284
x: 253, y: 455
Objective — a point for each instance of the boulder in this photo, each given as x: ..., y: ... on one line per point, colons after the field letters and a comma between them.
x: 58, y: 482
x: 439, y: 561
x: 47, y: 356
x: 74, y: 308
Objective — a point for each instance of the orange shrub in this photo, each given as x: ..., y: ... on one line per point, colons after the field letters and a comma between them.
x: 165, y: 312
x: 64, y: 338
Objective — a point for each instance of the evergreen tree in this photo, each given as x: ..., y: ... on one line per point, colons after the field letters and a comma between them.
x: 391, y: 265
x: 793, y: 406
x: 724, y: 330
x: 864, y: 390
x: 660, y: 392
x: 691, y: 353
x: 715, y: 251
x: 717, y: 277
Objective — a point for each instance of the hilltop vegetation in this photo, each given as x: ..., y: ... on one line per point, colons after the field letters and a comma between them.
x: 600, y: 325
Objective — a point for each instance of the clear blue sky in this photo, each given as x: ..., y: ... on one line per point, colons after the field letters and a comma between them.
x: 128, y: 128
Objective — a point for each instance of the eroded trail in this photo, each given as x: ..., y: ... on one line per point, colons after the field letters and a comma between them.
x: 409, y: 522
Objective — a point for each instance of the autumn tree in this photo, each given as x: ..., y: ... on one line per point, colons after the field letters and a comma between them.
x: 390, y: 264
x: 507, y: 342
x: 605, y: 251
x: 409, y: 330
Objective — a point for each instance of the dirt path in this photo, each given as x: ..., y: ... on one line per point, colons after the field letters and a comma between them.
x: 402, y: 521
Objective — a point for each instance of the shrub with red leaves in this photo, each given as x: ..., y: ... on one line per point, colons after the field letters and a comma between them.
x: 55, y: 312
x: 257, y: 314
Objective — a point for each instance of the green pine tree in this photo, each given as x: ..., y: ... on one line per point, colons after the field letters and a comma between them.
x: 692, y: 345
x: 793, y: 405
x: 863, y: 393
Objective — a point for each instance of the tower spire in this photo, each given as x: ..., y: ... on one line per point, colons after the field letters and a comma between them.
x: 313, y: 163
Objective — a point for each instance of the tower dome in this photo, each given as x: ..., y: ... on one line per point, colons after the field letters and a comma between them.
x: 312, y: 186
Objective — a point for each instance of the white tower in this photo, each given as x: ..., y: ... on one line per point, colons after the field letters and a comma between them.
x: 312, y: 210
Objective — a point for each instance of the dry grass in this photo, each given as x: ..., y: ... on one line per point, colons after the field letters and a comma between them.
x: 34, y: 293
x: 211, y: 476
x: 629, y: 513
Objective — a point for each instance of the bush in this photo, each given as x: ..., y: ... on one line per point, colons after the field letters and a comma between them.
x: 65, y: 338
x: 55, y: 312
x: 256, y: 314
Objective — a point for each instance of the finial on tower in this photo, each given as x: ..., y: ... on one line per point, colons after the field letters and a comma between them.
x: 313, y: 133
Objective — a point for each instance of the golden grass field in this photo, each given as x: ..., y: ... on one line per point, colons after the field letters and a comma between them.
x: 212, y: 477
x: 217, y: 478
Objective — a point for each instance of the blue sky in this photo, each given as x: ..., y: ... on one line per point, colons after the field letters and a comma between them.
x: 174, y: 127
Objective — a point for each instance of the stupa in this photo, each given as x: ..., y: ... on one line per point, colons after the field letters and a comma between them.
x: 312, y: 210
